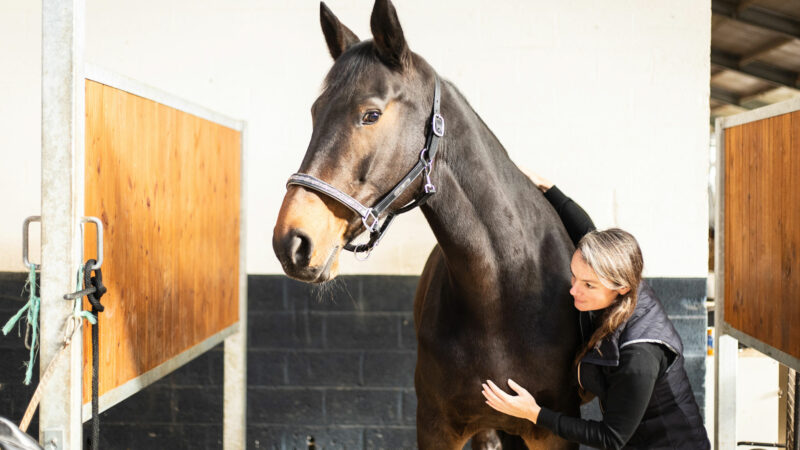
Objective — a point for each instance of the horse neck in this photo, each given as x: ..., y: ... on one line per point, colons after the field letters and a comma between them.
x: 482, y: 210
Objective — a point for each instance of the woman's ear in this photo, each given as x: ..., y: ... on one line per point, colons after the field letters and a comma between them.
x: 624, y: 290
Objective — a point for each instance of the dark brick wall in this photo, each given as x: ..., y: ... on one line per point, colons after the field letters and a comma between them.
x: 333, y: 364
x: 14, y: 396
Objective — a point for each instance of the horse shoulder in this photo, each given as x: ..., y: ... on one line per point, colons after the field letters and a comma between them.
x: 429, y: 283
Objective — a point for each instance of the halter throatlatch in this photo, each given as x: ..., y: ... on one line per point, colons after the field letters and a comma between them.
x: 370, y: 216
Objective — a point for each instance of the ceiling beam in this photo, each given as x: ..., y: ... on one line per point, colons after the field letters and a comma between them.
x: 756, y: 94
x: 770, y: 74
x: 757, y: 16
x: 744, y: 5
x: 760, y: 52
x: 717, y: 72
x: 727, y: 97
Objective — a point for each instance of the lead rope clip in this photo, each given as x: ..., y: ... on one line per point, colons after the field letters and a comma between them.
x: 429, y: 187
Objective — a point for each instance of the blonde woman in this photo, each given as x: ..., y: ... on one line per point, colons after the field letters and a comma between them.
x: 631, y: 358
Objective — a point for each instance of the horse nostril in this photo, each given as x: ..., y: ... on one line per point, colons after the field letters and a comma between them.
x: 299, y: 248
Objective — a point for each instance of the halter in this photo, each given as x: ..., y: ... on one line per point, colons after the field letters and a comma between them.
x: 370, y: 216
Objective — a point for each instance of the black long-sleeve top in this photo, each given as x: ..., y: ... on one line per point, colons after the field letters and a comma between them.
x: 624, y: 391
x: 575, y: 219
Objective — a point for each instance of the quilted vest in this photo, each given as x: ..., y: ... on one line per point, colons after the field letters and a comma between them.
x: 672, y: 419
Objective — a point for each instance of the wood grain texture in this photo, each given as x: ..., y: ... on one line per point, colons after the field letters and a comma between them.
x: 166, y: 185
x: 762, y: 230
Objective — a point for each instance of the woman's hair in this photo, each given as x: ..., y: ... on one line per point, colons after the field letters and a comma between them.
x: 616, y: 258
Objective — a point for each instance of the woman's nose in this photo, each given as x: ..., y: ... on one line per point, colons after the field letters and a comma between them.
x: 572, y: 290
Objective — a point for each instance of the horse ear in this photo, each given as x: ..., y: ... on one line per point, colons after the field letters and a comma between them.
x: 388, y: 35
x: 338, y: 36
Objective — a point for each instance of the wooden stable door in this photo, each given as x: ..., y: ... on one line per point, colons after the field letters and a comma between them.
x: 166, y: 185
x: 762, y: 230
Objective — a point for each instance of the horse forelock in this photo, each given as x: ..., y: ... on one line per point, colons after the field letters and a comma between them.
x: 359, y: 66
x: 345, y: 76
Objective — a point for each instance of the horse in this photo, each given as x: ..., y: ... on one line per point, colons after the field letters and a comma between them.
x: 493, y: 299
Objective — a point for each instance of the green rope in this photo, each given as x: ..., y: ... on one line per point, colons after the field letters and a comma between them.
x: 32, y: 308
x: 78, y: 310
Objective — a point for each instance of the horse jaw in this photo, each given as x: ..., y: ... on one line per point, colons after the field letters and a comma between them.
x: 309, y: 235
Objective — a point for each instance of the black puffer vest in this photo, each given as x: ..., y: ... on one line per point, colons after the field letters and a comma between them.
x: 672, y: 419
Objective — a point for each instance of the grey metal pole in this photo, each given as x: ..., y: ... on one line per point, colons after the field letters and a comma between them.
x: 794, y: 431
x: 234, y: 430
x: 62, y: 205
x: 725, y: 346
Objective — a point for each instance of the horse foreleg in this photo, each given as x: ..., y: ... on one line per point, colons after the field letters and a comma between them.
x: 434, y: 433
x: 486, y: 440
x: 549, y: 442
x: 438, y: 438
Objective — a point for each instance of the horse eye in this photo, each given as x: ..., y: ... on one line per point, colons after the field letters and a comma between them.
x: 370, y: 117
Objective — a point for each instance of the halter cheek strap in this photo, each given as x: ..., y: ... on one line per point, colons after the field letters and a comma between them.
x: 370, y: 215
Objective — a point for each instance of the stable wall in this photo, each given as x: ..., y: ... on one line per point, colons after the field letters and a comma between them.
x: 340, y: 371
x: 609, y: 99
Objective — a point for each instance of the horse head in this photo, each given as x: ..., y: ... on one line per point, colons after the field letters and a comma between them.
x: 369, y: 125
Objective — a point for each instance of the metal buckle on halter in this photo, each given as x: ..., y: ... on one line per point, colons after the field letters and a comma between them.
x: 437, y: 125
x: 371, y: 227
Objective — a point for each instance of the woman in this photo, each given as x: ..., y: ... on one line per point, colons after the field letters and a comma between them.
x: 631, y: 357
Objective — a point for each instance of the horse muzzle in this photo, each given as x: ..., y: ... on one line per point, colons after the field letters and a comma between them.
x: 308, y: 236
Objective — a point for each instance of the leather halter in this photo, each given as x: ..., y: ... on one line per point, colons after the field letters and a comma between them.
x: 370, y: 215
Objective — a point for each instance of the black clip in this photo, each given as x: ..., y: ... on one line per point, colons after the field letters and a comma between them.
x: 96, y: 282
x: 93, y: 286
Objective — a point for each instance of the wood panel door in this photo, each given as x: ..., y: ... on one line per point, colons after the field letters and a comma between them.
x: 166, y: 185
x: 762, y: 230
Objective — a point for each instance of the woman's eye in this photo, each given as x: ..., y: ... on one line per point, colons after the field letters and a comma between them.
x: 589, y: 286
x: 370, y: 117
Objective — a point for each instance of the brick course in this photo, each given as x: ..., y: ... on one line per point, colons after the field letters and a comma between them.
x: 335, y: 366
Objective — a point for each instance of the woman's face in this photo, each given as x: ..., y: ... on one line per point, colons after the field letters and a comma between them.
x: 588, y: 292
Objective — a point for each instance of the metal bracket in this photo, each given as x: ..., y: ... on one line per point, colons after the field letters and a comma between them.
x: 53, y: 439
x: 25, y: 226
x: 99, y: 224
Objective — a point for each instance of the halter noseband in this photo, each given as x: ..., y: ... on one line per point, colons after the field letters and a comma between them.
x: 370, y: 216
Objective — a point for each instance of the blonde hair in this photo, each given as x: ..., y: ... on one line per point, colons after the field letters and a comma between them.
x: 616, y: 258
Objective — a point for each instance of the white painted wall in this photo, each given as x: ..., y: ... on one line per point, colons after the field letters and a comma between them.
x: 608, y: 99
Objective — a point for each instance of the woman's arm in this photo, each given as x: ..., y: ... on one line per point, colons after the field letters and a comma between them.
x: 630, y: 388
x: 575, y: 219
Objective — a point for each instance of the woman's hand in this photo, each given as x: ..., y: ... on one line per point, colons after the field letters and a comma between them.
x: 541, y: 183
x: 522, y: 405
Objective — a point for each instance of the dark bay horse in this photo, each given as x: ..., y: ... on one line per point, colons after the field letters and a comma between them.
x: 493, y: 300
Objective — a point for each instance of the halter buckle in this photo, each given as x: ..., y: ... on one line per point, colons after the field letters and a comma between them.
x: 437, y: 125
x: 365, y: 219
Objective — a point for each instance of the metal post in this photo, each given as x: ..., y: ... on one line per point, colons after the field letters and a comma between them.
x: 726, y: 347
x: 234, y: 428
x: 62, y: 205
x: 725, y: 366
x: 793, y: 432
x: 235, y: 390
